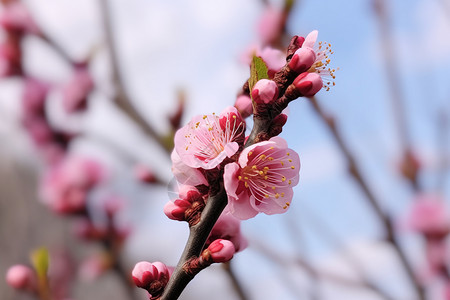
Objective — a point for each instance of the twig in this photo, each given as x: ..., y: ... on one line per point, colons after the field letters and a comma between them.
x: 394, y: 84
x: 288, y: 261
x: 234, y: 281
x: 197, y: 238
x: 382, y: 216
x: 326, y: 233
x: 121, y: 98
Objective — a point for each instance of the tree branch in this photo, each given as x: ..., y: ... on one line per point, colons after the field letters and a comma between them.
x: 382, y: 216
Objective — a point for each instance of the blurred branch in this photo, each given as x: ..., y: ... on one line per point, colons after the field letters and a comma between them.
x: 121, y: 98
x: 286, y: 261
x: 374, y: 204
x: 394, y: 84
x: 327, y: 234
x: 234, y: 280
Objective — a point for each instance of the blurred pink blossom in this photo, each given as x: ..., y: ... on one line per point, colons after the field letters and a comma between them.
x: 21, y: 277
x: 66, y: 185
x: 16, y: 17
x: 270, y: 24
x: 429, y: 215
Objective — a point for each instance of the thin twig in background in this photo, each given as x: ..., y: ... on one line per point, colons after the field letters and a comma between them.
x: 287, y: 261
x: 237, y: 286
x: 381, y: 215
x: 327, y: 234
x: 394, y: 85
x: 121, y: 97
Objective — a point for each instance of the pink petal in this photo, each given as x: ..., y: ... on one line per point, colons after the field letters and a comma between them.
x: 311, y: 39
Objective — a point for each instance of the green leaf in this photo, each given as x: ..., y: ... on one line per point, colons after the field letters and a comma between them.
x: 258, y: 71
x: 40, y: 260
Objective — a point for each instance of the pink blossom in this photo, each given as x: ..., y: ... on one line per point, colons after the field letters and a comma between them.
x: 229, y: 228
x: 207, y: 140
x: 76, y: 91
x: 221, y: 250
x: 270, y: 25
x: 93, y: 267
x: 308, y: 84
x: 67, y: 184
x: 262, y: 180
x: 151, y: 276
x: 429, y: 215
x: 185, y: 174
x: 265, y: 91
x: 244, y: 105
x: 21, y: 277
x: 16, y: 17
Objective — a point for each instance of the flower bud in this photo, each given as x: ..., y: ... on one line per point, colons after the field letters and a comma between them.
x: 221, y: 250
x: 151, y: 276
x: 308, y: 84
x: 302, y: 60
x: 244, y: 105
x: 21, y: 277
x: 265, y: 91
x: 175, y: 210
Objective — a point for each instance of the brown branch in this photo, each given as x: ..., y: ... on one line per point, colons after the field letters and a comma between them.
x: 234, y: 281
x: 286, y: 261
x: 394, y: 86
x: 198, y: 235
x: 121, y: 97
x: 374, y: 204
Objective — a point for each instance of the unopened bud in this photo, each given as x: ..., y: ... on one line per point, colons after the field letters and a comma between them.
x: 244, y: 105
x: 176, y: 210
x: 221, y: 250
x: 302, y: 60
x: 308, y: 84
x: 152, y: 277
x: 265, y: 91
x: 21, y: 277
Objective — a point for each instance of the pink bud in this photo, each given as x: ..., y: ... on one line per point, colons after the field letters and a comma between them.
x: 265, y: 91
x: 21, y: 277
x: 151, y: 276
x: 308, y: 84
x: 221, y: 250
x: 175, y: 210
x: 244, y: 105
x: 302, y: 60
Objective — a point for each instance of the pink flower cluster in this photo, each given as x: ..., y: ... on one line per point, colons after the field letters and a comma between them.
x: 66, y: 186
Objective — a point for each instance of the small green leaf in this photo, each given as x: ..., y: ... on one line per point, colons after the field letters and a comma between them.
x: 40, y: 260
x: 258, y: 71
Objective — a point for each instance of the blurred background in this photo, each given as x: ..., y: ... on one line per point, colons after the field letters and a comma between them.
x: 369, y: 147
